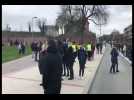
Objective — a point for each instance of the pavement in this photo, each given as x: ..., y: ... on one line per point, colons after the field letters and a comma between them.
x: 22, y: 76
x: 107, y: 83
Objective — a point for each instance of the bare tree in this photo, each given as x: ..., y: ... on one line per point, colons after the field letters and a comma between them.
x: 96, y: 13
x: 42, y: 25
x: 78, y: 17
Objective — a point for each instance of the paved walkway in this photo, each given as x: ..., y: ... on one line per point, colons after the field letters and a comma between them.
x: 106, y: 83
x: 22, y: 77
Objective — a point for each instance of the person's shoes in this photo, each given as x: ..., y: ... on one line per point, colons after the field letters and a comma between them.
x: 41, y: 84
x: 117, y: 71
x: 70, y: 78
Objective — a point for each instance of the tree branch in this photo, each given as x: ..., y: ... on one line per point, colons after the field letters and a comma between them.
x: 92, y: 12
x: 95, y: 22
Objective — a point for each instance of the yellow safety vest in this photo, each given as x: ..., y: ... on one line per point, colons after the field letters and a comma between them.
x: 89, y: 47
x: 74, y: 48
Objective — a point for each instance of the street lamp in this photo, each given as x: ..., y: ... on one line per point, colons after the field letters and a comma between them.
x: 32, y: 26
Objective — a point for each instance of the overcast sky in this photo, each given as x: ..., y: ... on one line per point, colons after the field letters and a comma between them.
x: 17, y: 16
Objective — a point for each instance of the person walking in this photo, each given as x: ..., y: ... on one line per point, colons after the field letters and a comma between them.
x: 65, y: 68
x: 51, y: 65
x: 82, y: 60
x: 114, y: 60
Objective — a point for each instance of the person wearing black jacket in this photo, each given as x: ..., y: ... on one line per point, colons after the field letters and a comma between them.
x: 82, y: 60
x: 36, y: 50
x: 51, y: 66
x: 65, y: 68
x: 114, y: 60
x: 70, y: 61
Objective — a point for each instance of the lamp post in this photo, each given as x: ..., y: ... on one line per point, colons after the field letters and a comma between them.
x: 32, y: 26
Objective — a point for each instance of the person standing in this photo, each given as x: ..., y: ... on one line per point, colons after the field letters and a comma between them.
x: 65, y: 47
x: 82, y: 60
x: 23, y: 47
x: 100, y: 46
x: 97, y: 46
x: 36, y: 50
x: 19, y: 48
x: 114, y: 60
x: 89, y: 50
x: 92, y: 50
x: 74, y: 50
x: 70, y: 61
x: 33, y: 49
x: 61, y: 52
x: 51, y: 65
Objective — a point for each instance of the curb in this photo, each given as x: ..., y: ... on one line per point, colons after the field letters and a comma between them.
x: 125, y: 59
x: 92, y: 78
x: 15, y: 59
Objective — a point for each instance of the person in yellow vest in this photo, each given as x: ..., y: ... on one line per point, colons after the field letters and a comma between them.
x: 88, y: 47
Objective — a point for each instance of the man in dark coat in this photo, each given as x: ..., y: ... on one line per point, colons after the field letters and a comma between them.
x: 65, y: 68
x: 33, y: 49
x: 82, y: 60
x: 70, y: 61
x: 114, y: 60
x: 51, y: 66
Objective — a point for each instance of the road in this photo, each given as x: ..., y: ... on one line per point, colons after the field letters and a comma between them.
x: 107, y: 83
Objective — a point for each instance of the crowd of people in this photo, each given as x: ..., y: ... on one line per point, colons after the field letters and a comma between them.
x: 56, y: 59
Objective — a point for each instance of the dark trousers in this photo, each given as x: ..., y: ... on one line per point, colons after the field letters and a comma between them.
x: 20, y: 51
x: 100, y: 50
x: 44, y: 84
x: 116, y: 65
x: 112, y: 67
x: 81, y: 71
x: 65, y: 69
x: 53, y: 87
x: 71, y: 71
x: 89, y: 55
x: 23, y: 51
x: 36, y: 53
